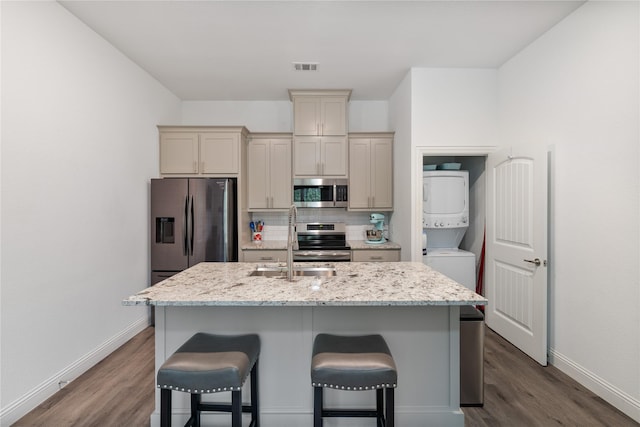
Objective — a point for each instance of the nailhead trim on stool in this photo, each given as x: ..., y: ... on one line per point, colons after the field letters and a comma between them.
x: 209, y: 363
x: 353, y: 363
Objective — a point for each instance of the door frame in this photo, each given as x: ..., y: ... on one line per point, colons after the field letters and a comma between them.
x: 418, y: 153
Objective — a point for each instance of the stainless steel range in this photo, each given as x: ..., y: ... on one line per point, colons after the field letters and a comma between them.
x: 322, y: 242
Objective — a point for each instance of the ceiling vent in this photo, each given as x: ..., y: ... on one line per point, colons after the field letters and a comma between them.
x: 305, y: 66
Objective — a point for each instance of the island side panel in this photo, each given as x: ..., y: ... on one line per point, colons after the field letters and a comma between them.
x: 286, y: 345
x: 422, y: 340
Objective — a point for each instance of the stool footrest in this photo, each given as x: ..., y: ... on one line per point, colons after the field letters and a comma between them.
x: 220, y: 407
x: 328, y: 412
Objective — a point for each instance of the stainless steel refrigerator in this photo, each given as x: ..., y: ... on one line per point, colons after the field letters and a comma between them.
x: 192, y: 220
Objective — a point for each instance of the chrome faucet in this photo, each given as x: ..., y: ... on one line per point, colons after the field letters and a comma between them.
x: 292, y: 240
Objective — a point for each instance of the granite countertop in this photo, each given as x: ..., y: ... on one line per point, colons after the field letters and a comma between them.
x: 265, y: 245
x: 356, y: 284
x: 362, y: 244
x: 282, y: 245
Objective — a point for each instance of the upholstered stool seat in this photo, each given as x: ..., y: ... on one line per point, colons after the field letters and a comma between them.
x: 209, y: 363
x: 353, y: 363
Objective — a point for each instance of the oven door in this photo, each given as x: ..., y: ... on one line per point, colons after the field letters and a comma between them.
x: 322, y: 255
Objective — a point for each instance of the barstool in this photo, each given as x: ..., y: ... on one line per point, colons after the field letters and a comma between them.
x: 353, y: 363
x: 209, y: 363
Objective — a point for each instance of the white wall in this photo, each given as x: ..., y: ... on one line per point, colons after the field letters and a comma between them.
x: 277, y: 116
x: 577, y: 88
x: 257, y: 116
x: 79, y: 144
x: 453, y: 112
x: 400, y: 226
x: 454, y: 107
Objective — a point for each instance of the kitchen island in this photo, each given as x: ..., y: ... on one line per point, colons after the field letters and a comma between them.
x: 414, y: 307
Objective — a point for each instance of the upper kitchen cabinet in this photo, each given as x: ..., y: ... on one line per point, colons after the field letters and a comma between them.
x: 269, y: 172
x: 315, y: 156
x: 371, y: 171
x: 319, y: 112
x: 207, y: 151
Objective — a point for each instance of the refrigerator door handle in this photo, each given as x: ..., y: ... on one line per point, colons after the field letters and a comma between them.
x: 192, y: 226
x: 185, y: 225
x: 225, y: 219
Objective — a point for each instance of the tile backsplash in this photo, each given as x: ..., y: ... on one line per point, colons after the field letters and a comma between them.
x: 356, y: 222
x: 314, y: 215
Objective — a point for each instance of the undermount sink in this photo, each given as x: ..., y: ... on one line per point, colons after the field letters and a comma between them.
x: 297, y: 271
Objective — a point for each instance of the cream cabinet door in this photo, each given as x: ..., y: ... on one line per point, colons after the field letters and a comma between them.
x: 280, y: 174
x: 378, y: 255
x: 306, y: 156
x: 381, y: 173
x: 179, y: 153
x: 320, y: 156
x: 333, y: 116
x: 333, y: 156
x: 258, y: 174
x: 264, y: 255
x: 306, y: 115
x: 371, y: 173
x: 219, y: 153
x: 359, y: 174
x: 320, y: 115
x: 269, y: 174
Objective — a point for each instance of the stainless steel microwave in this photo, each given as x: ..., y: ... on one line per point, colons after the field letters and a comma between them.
x: 320, y: 193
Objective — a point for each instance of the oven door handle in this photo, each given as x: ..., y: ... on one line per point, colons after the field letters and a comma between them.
x: 328, y: 255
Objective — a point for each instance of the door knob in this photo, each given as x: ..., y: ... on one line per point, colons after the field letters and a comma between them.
x: 536, y: 261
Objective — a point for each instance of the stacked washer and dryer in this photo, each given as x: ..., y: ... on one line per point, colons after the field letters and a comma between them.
x: 445, y: 220
x: 445, y: 207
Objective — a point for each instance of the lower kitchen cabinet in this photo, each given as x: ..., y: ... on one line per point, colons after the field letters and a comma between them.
x: 264, y: 255
x: 375, y: 255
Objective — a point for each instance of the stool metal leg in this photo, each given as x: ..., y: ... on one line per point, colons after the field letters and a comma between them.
x: 255, y: 409
x: 390, y: 407
x: 195, y: 410
x: 380, y: 407
x: 165, y: 407
x: 236, y: 408
x: 317, y: 407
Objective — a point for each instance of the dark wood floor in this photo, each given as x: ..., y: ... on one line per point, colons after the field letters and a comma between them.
x: 119, y: 391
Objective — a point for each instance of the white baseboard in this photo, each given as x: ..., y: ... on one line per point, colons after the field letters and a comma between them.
x: 23, y: 405
x: 614, y: 396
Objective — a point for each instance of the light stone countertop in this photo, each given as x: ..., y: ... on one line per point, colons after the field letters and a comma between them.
x: 282, y: 245
x: 356, y: 284
x: 362, y: 244
x: 265, y: 245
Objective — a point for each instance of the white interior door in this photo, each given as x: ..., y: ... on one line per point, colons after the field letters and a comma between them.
x: 516, y: 249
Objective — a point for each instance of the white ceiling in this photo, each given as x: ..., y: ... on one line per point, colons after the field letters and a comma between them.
x: 244, y: 50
